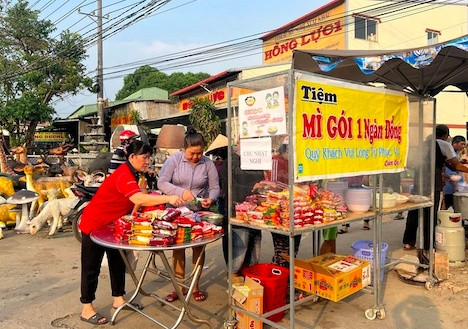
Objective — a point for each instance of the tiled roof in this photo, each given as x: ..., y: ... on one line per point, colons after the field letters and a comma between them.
x: 302, y: 19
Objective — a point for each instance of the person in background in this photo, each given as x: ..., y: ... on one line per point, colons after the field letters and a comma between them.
x: 279, y: 173
x: 116, y: 197
x: 444, y: 155
x: 190, y: 175
x: 119, y: 156
x: 246, y: 242
x: 450, y: 187
x: 220, y: 157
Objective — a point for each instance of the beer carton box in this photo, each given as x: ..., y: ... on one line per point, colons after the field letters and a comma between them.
x: 247, y: 294
x: 331, y: 276
x: 304, y: 275
x: 341, y: 277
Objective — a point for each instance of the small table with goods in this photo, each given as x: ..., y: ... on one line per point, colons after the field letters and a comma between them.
x: 106, y: 238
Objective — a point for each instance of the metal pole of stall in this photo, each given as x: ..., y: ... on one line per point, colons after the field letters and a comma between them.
x: 291, y: 165
x: 229, y: 199
x: 420, y: 182
x: 431, y: 218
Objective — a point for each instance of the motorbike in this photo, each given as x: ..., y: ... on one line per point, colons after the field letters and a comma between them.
x: 85, y: 194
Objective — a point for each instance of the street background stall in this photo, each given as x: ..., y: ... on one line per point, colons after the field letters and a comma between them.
x: 429, y: 70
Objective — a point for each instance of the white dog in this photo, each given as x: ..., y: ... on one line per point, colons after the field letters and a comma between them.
x: 2, y: 226
x: 53, y: 210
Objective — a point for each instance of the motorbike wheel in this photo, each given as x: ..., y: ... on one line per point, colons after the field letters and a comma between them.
x: 76, y: 230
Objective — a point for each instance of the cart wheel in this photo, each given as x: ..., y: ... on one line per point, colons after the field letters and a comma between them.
x: 370, y: 314
x: 230, y: 324
x: 429, y: 285
x: 381, y: 313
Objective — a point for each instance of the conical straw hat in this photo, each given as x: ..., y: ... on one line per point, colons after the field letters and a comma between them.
x: 220, y: 141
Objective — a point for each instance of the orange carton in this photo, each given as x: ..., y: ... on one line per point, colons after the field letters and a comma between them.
x: 337, y: 279
x: 304, y: 275
x: 248, y: 295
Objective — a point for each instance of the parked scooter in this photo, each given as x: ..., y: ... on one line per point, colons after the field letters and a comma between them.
x: 84, y: 193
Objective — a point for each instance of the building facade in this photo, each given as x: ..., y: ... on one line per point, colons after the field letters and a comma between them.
x: 378, y: 25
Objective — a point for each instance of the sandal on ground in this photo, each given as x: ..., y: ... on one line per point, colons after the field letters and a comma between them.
x: 172, y: 297
x: 135, y: 305
x: 399, y: 217
x: 199, y: 296
x: 96, y: 319
x: 341, y: 231
x: 408, y: 247
x: 367, y: 228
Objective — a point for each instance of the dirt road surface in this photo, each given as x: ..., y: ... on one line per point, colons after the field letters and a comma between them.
x: 40, y: 288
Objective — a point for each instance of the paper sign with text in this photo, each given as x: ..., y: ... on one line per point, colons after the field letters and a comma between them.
x: 344, y: 129
x: 262, y: 113
x: 255, y: 153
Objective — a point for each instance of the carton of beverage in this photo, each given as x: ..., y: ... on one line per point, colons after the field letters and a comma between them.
x: 248, y: 295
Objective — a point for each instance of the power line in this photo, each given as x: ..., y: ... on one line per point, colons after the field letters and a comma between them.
x: 373, y: 7
x: 247, y: 44
x: 240, y: 49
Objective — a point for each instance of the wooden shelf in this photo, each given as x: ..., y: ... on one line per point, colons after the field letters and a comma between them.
x: 350, y: 217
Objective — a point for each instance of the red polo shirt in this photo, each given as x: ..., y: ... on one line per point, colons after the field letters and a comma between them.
x: 111, y: 200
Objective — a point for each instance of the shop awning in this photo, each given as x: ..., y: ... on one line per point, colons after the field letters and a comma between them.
x: 422, y: 71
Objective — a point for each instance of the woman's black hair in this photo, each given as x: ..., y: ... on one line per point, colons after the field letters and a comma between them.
x: 193, y: 138
x: 138, y: 147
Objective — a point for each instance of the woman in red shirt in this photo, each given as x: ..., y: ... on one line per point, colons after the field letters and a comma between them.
x: 116, y: 197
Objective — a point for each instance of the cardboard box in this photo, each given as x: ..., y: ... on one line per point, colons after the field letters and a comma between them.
x: 338, y: 279
x: 441, y: 265
x: 331, y: 276
x: 248, y: 295
x: 304, y: 275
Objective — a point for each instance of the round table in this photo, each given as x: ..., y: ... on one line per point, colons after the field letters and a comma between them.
x: 105, y: 237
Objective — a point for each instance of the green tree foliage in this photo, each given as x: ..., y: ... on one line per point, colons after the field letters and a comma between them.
x: 35, y: 69
x: 204, y: 119
x: 147, y: 76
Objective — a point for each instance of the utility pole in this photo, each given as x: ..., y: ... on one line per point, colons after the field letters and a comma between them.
x: 97, y: 17
x: 100, y: 82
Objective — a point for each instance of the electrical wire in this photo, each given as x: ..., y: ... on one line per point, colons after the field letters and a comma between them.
x: 163, y: 59
x: 159, y: 60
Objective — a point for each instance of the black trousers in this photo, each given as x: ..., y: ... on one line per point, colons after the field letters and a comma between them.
x: 91, y: 258
x: 409, y: 237
x: 281, y: 246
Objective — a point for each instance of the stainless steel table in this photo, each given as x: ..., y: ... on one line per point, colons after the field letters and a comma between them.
x: 105, y: 238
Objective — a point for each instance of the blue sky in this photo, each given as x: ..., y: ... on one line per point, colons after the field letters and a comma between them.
x: 180, y: 25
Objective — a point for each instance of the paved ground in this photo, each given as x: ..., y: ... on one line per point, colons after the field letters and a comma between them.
x: 40, y: 289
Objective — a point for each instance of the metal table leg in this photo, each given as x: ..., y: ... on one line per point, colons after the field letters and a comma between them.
x: 169, y: 274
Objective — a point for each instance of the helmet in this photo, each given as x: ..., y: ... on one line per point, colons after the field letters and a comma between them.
x: 127, y: 134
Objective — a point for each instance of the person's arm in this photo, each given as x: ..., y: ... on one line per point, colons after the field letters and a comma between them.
x: 165, y: 178
x: 143, y: 199
x: 457, y: 165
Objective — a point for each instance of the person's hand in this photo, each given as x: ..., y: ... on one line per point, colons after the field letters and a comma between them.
x: 142, y: 182
x: 206, y: 203
x: 188, y: 196
x: 175, y: 200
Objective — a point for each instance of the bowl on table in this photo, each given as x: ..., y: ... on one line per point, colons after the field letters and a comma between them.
x: 388, y: 200
x: 215, y: 219
x: 401, y: 198
x: 358, y: 208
